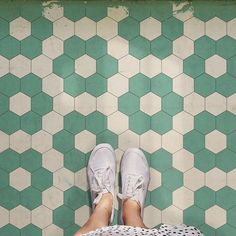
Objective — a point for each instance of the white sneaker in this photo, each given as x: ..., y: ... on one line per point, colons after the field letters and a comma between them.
x: 101, y: 172
x: 135, y: 175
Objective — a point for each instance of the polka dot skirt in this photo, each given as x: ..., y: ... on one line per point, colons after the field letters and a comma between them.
x: 164, y: 230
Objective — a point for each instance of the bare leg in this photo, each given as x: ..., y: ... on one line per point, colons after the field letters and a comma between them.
x: 100, y: 216
x: 131, y: 214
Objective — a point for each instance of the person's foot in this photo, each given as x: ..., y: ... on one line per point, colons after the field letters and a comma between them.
x: 101, y: 172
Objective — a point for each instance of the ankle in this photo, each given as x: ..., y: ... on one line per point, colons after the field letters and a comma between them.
x: 130, y: 207
x: 105, y: 203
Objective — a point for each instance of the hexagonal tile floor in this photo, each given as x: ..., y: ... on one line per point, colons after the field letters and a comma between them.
x: 158, y: 76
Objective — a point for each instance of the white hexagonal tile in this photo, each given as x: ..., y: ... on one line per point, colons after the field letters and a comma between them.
x: 194, y: 179
x: 215, y: 66
x: 118, y: 122
x: 20, y: 141
x: 20, y: 104
x: 117, y: 47
x: 150, y: 141
x: 183, y: 47
x: 194, y: 28
x: 85, y: 66
x: 183, y: 160
x: 172, y: 215
x: 215, y: 103
x: 20, y: 28
x: 52, y: 47
x: 20, y: 66
x: 41, y: 66
x: 231, y: 176
x: 52, y: 10
x: 4, y: 66
x: 20, y: 216
x: 183, y: 85
x: 80, y: 179
x: 52, y: 198
x: 231, y: 28
x: 63, y: 28
x: 172, y: 66
x: 150, y: 103
x: 52, y: 122
x: 5, y: 141
x: 172, y: 141
x: 148, y: 218
x: 183, y: 198
x: 53, y: 230
x: 150, y: 66
x: 63, y: 103
x: 180, y: 12
x: 118, y: 85
x: 215, y: 179
x: 215, y: 28
x: 4, y: 213
x: 87, y: 146
x: 42, y: 216
x: 85, y: 28
x: 194, y: 104
x: 107, y: 28
x: 215, y: 217
x: 183, y: 122
x: 215, y: 141
x: 128, y: 139
x: 231, y: 103
x: 150, y: 28
x: 118, y: 13
x: 52, y: 160
x: 82, y: 215
x: 155, y: 179
x: 85, y: 103
x: 63, y: 179
x: 20, y: 179
x: 107, y: 104
x: 128, y: 66
x: 41, y: 141
x: 52, y: 85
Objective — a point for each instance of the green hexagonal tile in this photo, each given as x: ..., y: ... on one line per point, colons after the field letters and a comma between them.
x: 161, y: 198
x: 31, y: 85
x: 4, y: 26
x: 9, y: 160
x: 163, y: 11
x: 231, y: 66
x: 107, y: 137
x: 161, y: 160
x: 202, y: 12
x: 63, y: 141
x: 42, y: 103
x: 10, y: 12
x: 128, y: 28
x: 161, y: 85
x: 31, y: 47
x: 226, y: 122
x: 207, y: 230
x: 139, y: 122
x: 42, y: 28
x: 172, y: 103
x: 194, y: 141
x: 63, y: 216
x: 31, y: 198
x: 9, y: 230
x: 63, y: 66
x: 31, y: 160
x: 9, y: 47
x: 139, y: 47
x: 4, y: 176
x: 31, y: 229
x: 231, y: 141
x: 204, y: 198
x: 9, y: 122
x: 172, y: 28
x: 204, y: 122
x: 194, y: 216
x: 225, y: 230
x: 96, y: 47
x: 31, y: 10
x: 107, y: 66
x: 139, y: 11
x: 161, y: 122
x: 9, y: 85
x: 10, y: 198
x: 194, y: 66
x: 204, y: 160
x: 31, y: 122
x: 128, y: 103
x: 224, y: 12
x: 96, y: 85
x: 4, y: 103
x: 226, y: 198
x: 96, y: 11
x: 204, y: 85
x: 161, y: 47
x: 172, y: 179
x: 226, y: 47
x: 74, y: 47
x: 74, y: 10
x: 225, y: 85
x: 74, y: 122
x: 139, y: 85
x: 96, y: 122
x: 231, y: 216
x: 71, y: 230
x: 204, y: 47
x: 42, y: 179
x: 74, y: 160
x: 226, y: 160
x: 74, y: 85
